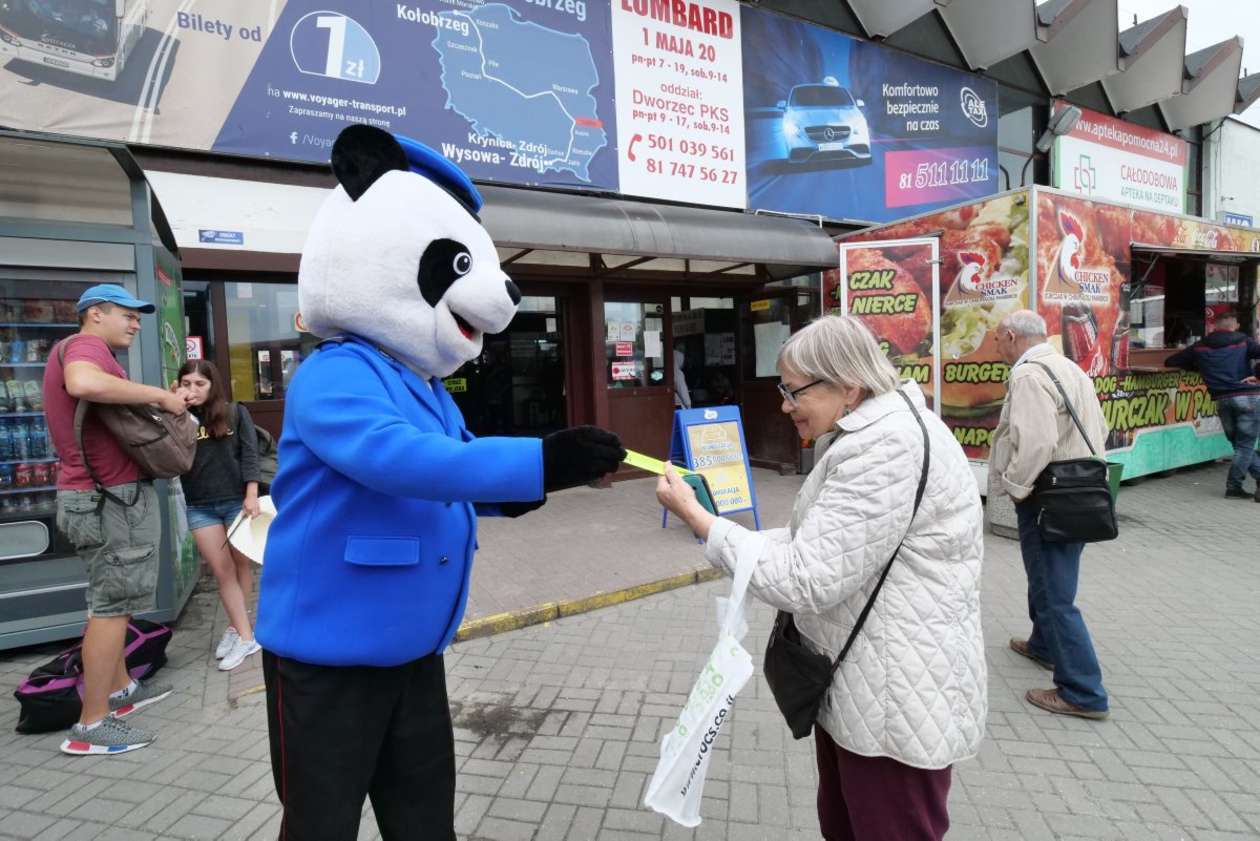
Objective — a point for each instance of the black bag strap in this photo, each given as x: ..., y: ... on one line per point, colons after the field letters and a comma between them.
x: 1071, y: 411
x: 918, y: 498
x: 80, y: 417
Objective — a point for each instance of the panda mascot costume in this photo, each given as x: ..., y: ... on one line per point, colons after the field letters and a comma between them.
x: 367, y: 563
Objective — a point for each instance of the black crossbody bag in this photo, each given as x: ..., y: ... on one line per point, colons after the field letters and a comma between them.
x: 1073, y: 496
x: 799, y: 677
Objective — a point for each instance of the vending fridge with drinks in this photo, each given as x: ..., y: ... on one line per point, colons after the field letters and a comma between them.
x: 1120, y: 288
x: 72, y: 215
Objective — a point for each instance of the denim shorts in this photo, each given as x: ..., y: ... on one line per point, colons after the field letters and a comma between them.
x: 220, y: 513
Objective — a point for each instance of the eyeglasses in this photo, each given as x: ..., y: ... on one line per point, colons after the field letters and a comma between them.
x: 789, y: 394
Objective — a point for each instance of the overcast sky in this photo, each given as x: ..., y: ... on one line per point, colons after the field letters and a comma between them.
x: 1210, y: 22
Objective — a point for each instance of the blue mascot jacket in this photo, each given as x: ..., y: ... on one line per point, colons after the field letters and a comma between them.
x: 369, y: 557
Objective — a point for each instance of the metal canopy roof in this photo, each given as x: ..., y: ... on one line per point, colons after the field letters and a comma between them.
x: 1248, y: 92
x: 881, y: 18
x: 529, y: 219
x: 989, y: 31
x: 1150, y: 58
x: 1077, y: 43
x: 1209, y: 90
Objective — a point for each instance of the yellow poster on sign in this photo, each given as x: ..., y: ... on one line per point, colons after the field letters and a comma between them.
x: 717, y: 455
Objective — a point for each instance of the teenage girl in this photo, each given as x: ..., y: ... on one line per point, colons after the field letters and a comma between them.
x: 223, y: 481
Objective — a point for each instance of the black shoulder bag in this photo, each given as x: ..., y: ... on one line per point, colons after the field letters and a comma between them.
x: 1073, y: 496
x: 799, y: 677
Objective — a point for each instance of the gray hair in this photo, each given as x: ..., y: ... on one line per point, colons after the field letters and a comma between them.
x: 839, y: 349
x: 1025, y: 324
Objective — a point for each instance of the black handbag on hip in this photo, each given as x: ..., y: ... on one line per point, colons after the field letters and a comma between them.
x: 799, y: 677
x: 1073, y: 497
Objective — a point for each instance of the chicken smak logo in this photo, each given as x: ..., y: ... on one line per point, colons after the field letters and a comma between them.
x: 1068, y: 280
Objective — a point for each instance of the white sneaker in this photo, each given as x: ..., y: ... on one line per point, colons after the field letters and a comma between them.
x: 230, y: 636
x: 239, y: 652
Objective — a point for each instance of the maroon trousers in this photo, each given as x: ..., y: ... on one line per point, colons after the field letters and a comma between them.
x: 875, y: 798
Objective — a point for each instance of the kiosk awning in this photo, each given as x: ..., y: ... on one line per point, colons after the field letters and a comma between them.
x: 565, y: 222
x: 556, y: 228
x: 1198, y: 253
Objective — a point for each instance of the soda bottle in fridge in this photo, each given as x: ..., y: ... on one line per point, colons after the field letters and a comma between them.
x: 6, y: 441
x: 38, y: 436
x: 21, y: 446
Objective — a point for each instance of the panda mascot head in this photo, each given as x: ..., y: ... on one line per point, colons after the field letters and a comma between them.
x: 398, y: 256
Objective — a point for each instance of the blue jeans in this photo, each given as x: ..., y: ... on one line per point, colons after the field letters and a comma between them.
x: 218, y: 513
x: 1059, y: 634
x: 1240, y: 417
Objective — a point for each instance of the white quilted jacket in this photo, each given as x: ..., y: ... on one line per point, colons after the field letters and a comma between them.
x: 913, y: 686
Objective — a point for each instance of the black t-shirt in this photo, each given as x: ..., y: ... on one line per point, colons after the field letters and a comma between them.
x: 222, y: 466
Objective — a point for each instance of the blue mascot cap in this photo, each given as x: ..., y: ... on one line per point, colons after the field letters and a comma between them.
x: 433, y: 166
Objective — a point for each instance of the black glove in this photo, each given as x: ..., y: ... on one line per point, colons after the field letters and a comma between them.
x: 578, y: 456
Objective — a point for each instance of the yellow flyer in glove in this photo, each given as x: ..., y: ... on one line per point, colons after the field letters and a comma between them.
x: 651, y: 465
x: 698, y: 483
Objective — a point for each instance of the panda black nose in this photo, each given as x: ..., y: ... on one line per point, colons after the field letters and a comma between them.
x: 514, y: 292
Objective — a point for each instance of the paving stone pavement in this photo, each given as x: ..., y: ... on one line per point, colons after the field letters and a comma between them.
x: 558, y: 725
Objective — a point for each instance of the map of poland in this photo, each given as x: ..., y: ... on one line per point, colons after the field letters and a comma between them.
x: 525, y: 85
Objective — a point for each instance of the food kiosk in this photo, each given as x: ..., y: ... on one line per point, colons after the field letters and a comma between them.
x: 1120, y: 288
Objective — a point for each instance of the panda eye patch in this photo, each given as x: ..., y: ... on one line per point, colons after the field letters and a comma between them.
x: 444, y: 261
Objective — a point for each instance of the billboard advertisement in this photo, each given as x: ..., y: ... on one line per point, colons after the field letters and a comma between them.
x: 512, y: 90
x: 984, y: 270
x: 680, y: 102
x: 892, y: 288
x: 647, y: 98
x: 1157, y: 418
x: 852, y: 130
x: 1113, y: 160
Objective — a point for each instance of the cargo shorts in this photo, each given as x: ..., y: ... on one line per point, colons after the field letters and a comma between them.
x: 118, y: 545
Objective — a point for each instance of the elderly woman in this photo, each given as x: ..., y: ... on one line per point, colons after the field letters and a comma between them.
x: 909, y: 699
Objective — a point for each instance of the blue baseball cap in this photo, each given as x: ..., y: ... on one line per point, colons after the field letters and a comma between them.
x: 112, y: 293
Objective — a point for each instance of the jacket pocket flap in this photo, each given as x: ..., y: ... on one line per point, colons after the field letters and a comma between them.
x: 383, y: 551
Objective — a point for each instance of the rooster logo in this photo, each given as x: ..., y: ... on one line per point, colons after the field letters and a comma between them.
x: 1070, y: 247
x: 974, y: 266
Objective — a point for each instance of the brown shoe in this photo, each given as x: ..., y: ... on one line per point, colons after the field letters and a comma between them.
x: 1049, y: 700
x: 1021, y: 648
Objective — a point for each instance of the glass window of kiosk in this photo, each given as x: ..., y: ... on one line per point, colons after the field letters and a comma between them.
x: 35, y: 314
x: 1174, y: 302
x: 634, y: 352
x: 265, y: 346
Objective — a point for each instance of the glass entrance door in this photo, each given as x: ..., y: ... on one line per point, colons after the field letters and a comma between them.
x: 638, y: 363
x: 517, y: 385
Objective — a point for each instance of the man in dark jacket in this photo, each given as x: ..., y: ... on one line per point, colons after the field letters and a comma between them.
x: 1224, y: 358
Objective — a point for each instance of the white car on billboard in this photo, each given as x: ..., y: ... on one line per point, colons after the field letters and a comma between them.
x: 822, y: 121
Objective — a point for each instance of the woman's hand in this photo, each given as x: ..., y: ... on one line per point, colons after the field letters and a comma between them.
x: 677, y: 496
x: 250, y: 505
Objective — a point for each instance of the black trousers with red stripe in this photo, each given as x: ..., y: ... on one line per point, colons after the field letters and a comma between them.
x: 342, y: 733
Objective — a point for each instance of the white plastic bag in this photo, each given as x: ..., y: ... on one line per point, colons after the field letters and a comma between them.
x: 676, y: 785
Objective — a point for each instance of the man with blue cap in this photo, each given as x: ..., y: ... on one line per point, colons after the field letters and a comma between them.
x: 108, y: 511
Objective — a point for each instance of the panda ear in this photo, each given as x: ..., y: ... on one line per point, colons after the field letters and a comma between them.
x: 363, y: 154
